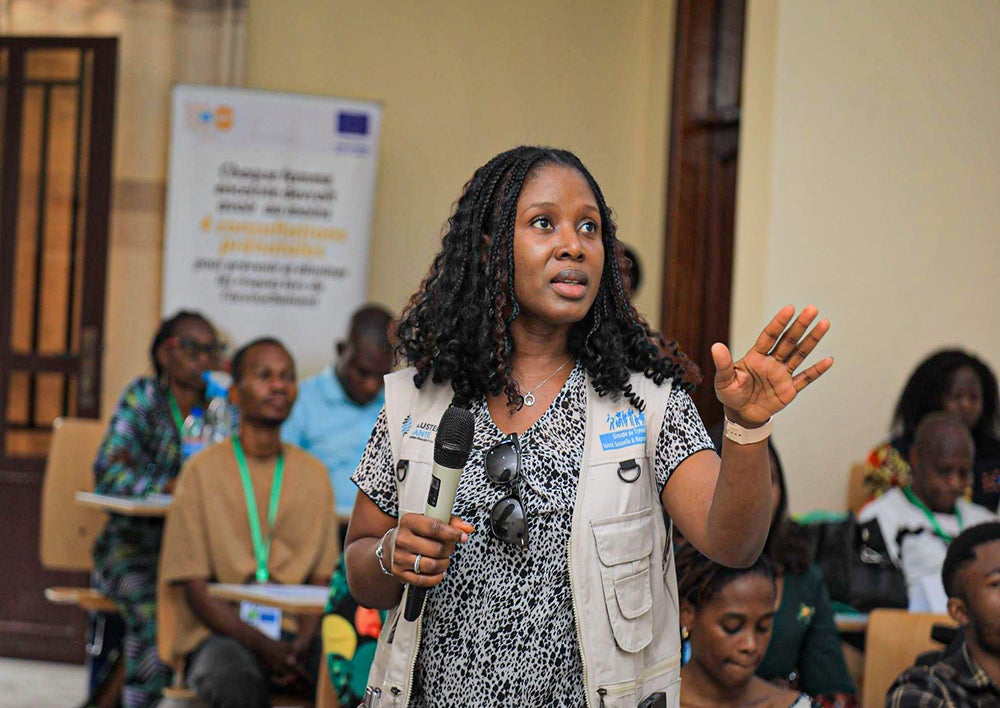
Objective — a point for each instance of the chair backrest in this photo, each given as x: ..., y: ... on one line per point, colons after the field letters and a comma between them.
x: 68, y: 530
x: 857, y: 495
x: 893, y: 641
x: 326, y: 695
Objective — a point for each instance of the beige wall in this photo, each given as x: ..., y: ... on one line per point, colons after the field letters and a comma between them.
x: 460, y: 81
x: 868, y: 185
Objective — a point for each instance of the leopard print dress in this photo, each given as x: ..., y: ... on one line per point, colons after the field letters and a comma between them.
x: 500, y: 629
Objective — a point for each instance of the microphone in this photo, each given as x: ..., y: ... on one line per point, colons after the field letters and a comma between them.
x: 452, y: 446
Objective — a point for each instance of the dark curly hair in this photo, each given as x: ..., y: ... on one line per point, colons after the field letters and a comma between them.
x: 456, y: 328
x: 166, y: 330
x: 699, y: 578
x: 925, y: 389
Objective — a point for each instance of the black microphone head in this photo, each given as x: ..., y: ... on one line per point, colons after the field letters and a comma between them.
x: 453, y: 442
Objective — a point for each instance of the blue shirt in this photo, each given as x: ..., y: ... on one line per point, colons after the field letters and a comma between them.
x: 328, y: 424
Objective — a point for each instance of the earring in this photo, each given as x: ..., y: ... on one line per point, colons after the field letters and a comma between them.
x: 685, y: 633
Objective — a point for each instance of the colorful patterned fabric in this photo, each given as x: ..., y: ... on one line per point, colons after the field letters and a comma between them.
x: 885, y: 468
x: 140, y: 453
x: 350, y: 635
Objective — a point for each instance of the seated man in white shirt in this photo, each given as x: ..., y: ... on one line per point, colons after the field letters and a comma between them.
x: 919, y: 521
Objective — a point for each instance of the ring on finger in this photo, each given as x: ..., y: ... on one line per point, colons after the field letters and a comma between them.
x: 416, y: 564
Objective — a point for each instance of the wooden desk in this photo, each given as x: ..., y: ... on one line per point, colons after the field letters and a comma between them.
x: 155, y: 505
x: 294, y: 599
x: 89, y: 599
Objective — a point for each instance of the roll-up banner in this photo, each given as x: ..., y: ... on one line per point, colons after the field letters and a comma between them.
x: 269, y: 210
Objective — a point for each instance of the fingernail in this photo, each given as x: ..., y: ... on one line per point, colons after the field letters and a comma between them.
x: 465, y: 537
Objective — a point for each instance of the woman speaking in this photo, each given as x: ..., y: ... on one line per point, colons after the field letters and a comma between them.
x: 554, y: 582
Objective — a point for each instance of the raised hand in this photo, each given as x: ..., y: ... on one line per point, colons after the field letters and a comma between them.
x: 764, y: 381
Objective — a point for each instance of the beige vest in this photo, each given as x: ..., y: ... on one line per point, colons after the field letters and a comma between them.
x: 620, y: 557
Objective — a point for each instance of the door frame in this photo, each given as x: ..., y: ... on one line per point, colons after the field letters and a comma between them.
x: 96, y: 234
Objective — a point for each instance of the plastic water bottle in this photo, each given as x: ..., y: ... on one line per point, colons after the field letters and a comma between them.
x: 193, y: 433
x: 218, y: 421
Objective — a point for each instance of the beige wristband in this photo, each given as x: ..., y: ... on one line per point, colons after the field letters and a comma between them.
x: 747, y: 436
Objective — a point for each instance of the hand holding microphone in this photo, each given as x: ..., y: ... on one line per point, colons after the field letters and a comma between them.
x: 428, y: 543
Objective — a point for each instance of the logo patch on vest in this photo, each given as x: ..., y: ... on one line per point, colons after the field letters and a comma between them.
x: 625, y: 429
x: 424, y: 432
x: 407, y: 424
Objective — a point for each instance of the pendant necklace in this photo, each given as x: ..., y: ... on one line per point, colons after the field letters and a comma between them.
x: 529, y: 397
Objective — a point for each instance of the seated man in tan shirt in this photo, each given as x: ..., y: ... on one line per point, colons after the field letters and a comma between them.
x: 288, y: 535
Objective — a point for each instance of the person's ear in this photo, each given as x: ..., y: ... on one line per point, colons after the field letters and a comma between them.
x: 958, y: 611
x: 340, y: 349
x: 688, y: 614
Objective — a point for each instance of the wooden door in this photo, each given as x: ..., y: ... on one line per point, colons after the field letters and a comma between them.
x: 56, y: 112
x: 701, y: 191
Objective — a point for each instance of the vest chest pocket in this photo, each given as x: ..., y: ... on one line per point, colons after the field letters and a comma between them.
x: 624, y: 547
x: 412, y: 487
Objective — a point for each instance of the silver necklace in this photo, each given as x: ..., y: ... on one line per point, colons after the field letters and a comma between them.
x: 529, y: 397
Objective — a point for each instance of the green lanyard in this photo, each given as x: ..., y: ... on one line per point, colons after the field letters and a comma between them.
x: 915, y: 500
x: 261, y: 544
x: 175, y: 411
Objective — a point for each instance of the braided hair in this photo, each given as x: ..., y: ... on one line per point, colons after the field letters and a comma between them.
x: 699, y: 579
x: 467, y: 298
x: 166, y: 330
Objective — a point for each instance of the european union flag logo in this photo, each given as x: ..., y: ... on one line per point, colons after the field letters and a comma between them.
x: 352, y: 123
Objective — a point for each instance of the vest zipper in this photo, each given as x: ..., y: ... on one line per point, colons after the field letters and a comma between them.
x: 623, y: 688
x: 397, y: 690
x: 576, y: 623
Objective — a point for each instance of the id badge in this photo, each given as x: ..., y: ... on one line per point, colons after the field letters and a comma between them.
x: 267, y: 620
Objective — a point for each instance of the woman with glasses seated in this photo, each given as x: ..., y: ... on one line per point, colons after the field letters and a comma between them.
x: 139, y: 456
x: 553, y: 583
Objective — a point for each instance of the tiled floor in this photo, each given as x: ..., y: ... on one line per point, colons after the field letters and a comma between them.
x: 41, y: 684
